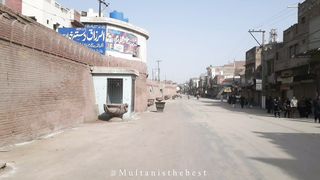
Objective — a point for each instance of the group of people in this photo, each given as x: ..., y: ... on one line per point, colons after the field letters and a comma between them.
x: 232, y: 99
x: 289, y: 107
x: 305, y: 107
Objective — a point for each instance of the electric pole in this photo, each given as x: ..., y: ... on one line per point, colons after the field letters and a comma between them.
x: 154, y: 74
x: 251, y: 31
x: 158, y: 61
x: 104, y: 3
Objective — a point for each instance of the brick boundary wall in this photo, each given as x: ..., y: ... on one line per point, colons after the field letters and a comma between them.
x: 153, y: 89
x: 46, y: 82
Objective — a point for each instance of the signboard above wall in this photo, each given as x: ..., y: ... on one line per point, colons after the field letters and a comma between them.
x: 91, y: 37
x: 122, y: 42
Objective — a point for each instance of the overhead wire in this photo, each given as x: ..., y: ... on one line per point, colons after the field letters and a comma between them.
x: 280, y: 16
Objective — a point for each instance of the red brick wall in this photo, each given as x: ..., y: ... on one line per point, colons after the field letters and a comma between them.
x: 141, y: 96
x: 153, y: 89
x: 46, y: 83
x: 41, y: 93
x: 15, y: 5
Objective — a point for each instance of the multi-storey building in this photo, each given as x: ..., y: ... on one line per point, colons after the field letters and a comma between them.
x: 270, y: 55
x: 292, y: 66
x: 253, y: 76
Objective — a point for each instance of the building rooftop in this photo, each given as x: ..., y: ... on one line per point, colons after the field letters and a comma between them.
x: 115, y: 22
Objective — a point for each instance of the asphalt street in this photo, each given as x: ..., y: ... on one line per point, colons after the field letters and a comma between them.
x: 191, y: 139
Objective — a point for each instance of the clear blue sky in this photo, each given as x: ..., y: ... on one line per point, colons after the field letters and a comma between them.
x: 190, y: 35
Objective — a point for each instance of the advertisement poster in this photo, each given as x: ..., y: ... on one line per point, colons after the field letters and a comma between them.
x: 122, y: 42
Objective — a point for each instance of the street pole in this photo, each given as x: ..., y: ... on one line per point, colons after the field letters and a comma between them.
x: 99, y: 8
x: 102, y: 2
x: 152, y: 74
x: 251, y: 31
x: 158, y: 61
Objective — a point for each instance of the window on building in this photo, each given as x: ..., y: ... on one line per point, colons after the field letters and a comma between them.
x: 277, y: 56
x: 47, y: 21
x: 270, y: 67
x: 57, y: 5
x: 293, y: 50
x: 303, y: 20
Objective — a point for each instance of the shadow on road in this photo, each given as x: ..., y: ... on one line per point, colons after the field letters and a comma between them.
x: 253, y: 111
x: 303, y: 153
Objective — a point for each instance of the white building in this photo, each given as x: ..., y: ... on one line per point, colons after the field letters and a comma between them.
x: 117, y: 31
x: 128, y: 43
x: 46, y: 12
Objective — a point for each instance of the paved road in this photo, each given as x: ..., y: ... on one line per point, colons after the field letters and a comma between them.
x: 192, y: 139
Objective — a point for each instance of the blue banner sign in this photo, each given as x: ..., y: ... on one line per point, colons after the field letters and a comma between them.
x: 93, y: 38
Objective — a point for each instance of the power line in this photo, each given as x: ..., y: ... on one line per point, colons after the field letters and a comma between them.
x: 281, y: 15
x: 279, y: 20
x: 273, y: 17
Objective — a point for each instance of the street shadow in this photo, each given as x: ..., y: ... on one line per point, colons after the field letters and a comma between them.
x: 303, y: 154
x: 251, y: 110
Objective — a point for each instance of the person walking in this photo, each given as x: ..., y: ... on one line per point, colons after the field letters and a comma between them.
x: 251, y: 101
x: 308, y: 107
x: 286, y: 108
x: 293, y: 106
x: 242, y: 101
x: 302, y: 107
x: 276, y: 107
x: 268, y: 104
x: 316, y: 109
x: 233, y: 101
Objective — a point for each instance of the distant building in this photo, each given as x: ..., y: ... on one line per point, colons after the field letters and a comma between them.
x: 225, y: 75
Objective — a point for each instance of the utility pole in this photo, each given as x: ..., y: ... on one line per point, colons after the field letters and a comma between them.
x: 104, y: 3
x: 154, y: 74
x: 251, y: 31
x: 158, y: 61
